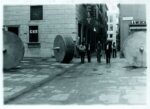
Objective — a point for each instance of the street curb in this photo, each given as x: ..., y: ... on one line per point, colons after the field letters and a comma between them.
x: 38, y: 84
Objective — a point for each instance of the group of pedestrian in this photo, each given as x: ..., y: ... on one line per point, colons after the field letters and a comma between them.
x: 86, y: 49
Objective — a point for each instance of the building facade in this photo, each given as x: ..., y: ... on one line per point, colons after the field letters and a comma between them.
x: 112, y: 27
x: 38, y: 25
x: 129, y: 13
x: 94, y: 27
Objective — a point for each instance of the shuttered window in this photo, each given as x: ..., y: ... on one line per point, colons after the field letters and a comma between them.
x: 36, y: 13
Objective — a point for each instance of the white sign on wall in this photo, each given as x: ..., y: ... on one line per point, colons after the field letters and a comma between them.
x: 127, y: 18
x: 33, y: 31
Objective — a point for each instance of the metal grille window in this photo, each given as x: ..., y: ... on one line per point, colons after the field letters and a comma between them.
x: 36, y: 13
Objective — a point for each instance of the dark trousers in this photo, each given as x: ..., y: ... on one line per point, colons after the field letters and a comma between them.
x: 82, y: 57
x: 98, y: 57
x: 108, y: 55
x: 114, y: 53
x: 89, y: 56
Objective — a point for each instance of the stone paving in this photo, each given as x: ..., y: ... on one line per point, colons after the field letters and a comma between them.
x: 92, y: 83
x: 31, y: 73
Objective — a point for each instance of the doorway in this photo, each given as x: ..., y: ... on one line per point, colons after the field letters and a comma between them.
x: 14, y: 30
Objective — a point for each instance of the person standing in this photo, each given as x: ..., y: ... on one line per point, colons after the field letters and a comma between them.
x: 82, y: 50
x: 77, y: 52
x: 108, y: 50
x: 114, y: 51
x: 89, y: 52
x: 99, y: 50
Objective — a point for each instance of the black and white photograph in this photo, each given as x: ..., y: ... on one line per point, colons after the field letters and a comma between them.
x: 75, y: 54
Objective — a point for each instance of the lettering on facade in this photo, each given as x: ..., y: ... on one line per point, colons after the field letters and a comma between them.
x: 33, y: 31
x: 33, y: 34
x: 137, y: 25
x: 134, y: 22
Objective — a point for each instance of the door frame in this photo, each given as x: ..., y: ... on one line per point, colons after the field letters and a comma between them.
x: 18, y: 26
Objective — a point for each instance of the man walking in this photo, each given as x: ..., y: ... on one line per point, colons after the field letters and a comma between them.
x: 82, y: 50
x: 114, y: 50
x: 98, y: 50
x: 108, y: 50
x: 89, y: 52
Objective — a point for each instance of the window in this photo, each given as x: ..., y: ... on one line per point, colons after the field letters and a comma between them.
x: 79, y: 32
x: 106, y: 16
x: 101, y: 8
x: 111, y: 35
x: 111, y: 18
x: 84, y: 31
x: 36, y: 13
x: 111, y: 27
x: 33, y: 34
x: 79, y: 29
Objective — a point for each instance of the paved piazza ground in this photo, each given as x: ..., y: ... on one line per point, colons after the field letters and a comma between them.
x: 44, y: 81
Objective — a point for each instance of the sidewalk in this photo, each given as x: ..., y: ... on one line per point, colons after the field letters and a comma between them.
x: 32, y: 73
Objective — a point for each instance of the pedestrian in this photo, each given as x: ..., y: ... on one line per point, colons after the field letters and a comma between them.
x: 77, y: 52
x: 89, y: 52
x: 82, y: 50
x: 98, y: 51
x: 108, y: 50
x: 114, y: 51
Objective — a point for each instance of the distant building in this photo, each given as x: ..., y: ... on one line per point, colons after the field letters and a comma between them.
x: 128, y: 13
x: 37, y: 25
x: 93, y: 26
x: 112, y: 27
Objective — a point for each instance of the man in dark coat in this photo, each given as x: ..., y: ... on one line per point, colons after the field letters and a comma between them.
x: 98, y: 50
x: 82, y: 50
x: 108, y: 50
x: 114, y: 51
x: 89, y: 52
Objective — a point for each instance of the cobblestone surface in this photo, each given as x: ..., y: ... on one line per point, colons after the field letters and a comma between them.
x: 30, y: 73
x: 92, y: 83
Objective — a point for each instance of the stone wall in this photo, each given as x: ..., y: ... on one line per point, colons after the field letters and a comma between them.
x: 57, y: 19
